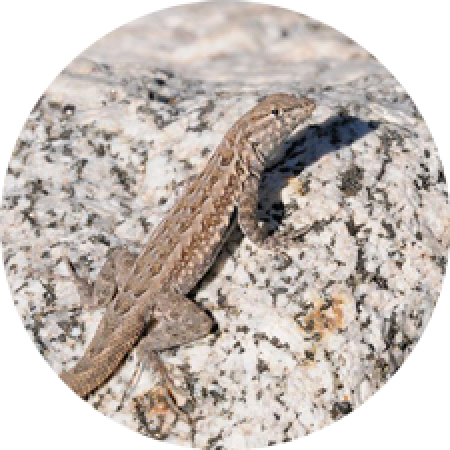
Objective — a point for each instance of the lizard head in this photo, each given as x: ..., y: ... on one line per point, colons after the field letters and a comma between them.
x: 271, y: 122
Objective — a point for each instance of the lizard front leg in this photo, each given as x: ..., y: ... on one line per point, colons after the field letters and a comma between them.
x: 251, y: 227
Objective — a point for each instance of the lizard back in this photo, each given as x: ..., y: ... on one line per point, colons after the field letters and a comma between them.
x: 185, y: 244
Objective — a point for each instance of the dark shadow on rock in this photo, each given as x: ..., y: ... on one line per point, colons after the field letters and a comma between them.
x: 303, y: 149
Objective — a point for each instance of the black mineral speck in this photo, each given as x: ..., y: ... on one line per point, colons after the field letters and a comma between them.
x: 351, y: 181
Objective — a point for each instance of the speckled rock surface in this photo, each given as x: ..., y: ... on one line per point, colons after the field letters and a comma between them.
x: 303, y: 338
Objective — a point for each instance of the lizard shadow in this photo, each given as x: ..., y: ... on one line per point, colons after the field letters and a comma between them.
x: 302, y: 150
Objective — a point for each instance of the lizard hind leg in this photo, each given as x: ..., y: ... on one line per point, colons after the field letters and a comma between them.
x: 177, y: 321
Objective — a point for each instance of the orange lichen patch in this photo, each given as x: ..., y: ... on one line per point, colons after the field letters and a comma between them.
x: 155, y: 402
x: 323, y: 317
x: 154, y: 413
x: 298, y: 185
x: 293, y: 181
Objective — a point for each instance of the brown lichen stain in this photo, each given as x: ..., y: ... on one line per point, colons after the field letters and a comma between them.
x: 154, y: 414
x: 324, y: 316
x: 298, y: 185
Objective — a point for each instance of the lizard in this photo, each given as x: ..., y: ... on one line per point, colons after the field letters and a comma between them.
x: 145, y: 296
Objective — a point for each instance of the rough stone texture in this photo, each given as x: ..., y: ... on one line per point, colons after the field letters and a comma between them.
x: 303, y: 338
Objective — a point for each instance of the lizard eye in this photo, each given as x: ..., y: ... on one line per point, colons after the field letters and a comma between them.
x: 276, y: 112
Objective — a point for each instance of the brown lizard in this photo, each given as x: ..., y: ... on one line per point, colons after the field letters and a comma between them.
x: 145, y: 296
